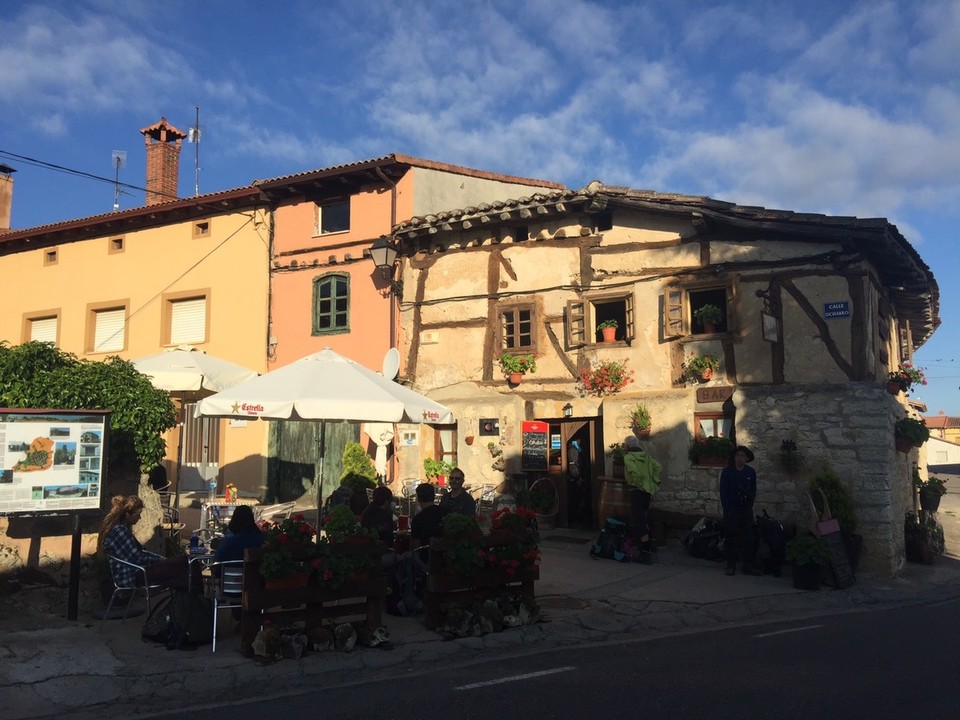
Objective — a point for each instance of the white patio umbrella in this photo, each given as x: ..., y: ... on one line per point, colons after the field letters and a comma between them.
x: 185, y: 369
x: 324, y: 386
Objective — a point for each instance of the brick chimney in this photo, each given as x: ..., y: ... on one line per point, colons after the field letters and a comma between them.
x: 163, y: 161
x: 6, y: 195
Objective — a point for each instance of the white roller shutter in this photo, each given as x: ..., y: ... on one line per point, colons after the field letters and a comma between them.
x: 108, y: 333
x: 44, y: 330
x: 188, y: 321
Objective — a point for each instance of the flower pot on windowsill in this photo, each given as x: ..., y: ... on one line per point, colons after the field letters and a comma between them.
x: 706, y: 374
x: 514, y: 378
x: 609, y: 334
x: 642, y: 434
x: 709, y: 328
x: 893, y: 388
x: 929, y: 501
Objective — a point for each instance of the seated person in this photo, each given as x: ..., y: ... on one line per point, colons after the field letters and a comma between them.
x: 428, y: 522
x: 117, y: 540
x: 379, y: 516
x: 458, y: 500
x: 242, y: 533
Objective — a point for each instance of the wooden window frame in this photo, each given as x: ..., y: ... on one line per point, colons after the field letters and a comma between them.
x: 677, y: 310
x: 581, y: 315
x: 90, y: 332
x: 713, y: 416
x: 166, y: 319
x: 439, y: 451
x: 517, y: 307
x: 318, y: 217
x: 315, y: 314
x: 26, y: 326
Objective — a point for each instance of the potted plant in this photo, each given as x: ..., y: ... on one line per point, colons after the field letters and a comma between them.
x: 922, y: 539
x: 288, y: 549
x: 808, y: 555
x: 608, y: 329
x: 790, y: 458
x: 640, y: 421
x: 930, y: 491
x: 516, y: 366
x: 904, y: 378
x: 700, y: 367
x: 436, y: 470
x: 711, y: 451
x: 709, y: 316
x: 616, y: 453
x: 840, y: 501
x: 606, y: 378
x: 910, y: 433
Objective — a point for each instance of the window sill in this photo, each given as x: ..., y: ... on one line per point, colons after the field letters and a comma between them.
x: 328, y: 234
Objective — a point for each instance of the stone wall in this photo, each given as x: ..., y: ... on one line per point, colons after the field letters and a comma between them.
x: 846, y: 426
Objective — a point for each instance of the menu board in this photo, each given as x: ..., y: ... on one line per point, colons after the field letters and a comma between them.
x: 839, y: 562
x: 533, y: 446
x: 51, y: 461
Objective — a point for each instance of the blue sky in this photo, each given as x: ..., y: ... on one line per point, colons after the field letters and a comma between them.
x: 849, y: 108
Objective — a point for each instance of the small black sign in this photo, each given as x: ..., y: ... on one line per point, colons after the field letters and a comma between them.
x: 533, y: 448
x: 489, y: 426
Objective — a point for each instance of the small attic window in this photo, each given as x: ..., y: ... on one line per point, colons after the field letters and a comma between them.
x: 201, y: 228
x: 50, y: 257
x: 116, y: 245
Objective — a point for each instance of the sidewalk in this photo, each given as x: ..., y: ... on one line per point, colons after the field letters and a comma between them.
x: 73, y: 669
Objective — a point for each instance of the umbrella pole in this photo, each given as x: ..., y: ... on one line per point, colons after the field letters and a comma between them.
x: 176, y: 492
x: 319, y: 482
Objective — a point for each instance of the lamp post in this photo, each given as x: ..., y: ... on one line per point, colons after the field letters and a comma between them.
x: 568, y: 410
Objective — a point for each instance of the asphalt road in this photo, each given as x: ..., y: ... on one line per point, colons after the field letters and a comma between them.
x: 883, y: 664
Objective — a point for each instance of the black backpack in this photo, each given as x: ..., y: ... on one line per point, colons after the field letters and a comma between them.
x: 159, y: 623
x: 180, y: 618
x: 705, y: 539
x: 609, y: 544
x: 773, y: 544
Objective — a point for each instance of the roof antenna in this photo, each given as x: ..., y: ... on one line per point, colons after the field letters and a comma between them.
x: 193, y: 136
x: 118, y: 158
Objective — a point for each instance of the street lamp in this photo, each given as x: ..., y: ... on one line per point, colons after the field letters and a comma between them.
x: 384, y: 254
x: 568, y: 410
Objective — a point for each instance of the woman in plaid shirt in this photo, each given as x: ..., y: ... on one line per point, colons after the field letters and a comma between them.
x: 117, y: 540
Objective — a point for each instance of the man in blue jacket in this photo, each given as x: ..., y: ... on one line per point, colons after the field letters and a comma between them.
x: 738, y: 489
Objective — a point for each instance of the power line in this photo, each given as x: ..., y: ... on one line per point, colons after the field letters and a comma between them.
x: 79, y: 173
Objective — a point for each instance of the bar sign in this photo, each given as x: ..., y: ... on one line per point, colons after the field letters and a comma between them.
x: 836, y: 309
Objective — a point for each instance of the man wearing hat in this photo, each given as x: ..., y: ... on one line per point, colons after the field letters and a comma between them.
x: 738, y: 489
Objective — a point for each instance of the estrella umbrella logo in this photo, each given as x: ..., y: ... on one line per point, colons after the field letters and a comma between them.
x: 246, y: 408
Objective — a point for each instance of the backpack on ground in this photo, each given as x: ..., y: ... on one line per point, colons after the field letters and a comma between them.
x: 705, y: 539
x: 610, y: 542
x: 193, y: 617
x: 159, y: 623
x: 772, y: 544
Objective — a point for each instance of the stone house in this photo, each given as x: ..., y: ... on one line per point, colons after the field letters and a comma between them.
x: 814, y: 311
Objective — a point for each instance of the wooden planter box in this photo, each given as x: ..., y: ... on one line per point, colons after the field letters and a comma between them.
x: 310, y: 603
x: 444, y: 585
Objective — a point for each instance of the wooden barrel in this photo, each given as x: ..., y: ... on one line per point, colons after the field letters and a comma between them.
x: 614, y: 500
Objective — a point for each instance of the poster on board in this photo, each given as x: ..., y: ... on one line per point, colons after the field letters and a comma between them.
x: 51, y: 461
x: 533, y: 446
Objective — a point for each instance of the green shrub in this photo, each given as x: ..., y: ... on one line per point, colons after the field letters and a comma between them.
x: 838, y: 497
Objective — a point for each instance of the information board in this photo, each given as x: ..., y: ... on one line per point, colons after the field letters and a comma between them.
x: 51, y: 461
x: 533, y: 447
x: 842, y: 572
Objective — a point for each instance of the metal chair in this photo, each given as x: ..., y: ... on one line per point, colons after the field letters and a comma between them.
x: 139, y: 572
x: 227, y: 586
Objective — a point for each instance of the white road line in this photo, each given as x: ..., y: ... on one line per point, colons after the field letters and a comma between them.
x: 791, y: 630
x: 514, y: 678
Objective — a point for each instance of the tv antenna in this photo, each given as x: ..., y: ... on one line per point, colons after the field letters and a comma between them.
x: 193, y: 136
x: 118, y: 158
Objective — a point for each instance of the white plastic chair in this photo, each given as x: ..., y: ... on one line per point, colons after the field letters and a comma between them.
x: 227, y: 585
x: 140, y: 572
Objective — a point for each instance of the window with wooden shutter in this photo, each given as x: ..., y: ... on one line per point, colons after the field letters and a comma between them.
x: 43, y: 329
x: 188, y: 321
x: 576, y: 324
x: 109, y: 330
x: 673, y: 313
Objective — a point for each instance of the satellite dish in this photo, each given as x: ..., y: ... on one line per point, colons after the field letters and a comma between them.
x: 391, y: 363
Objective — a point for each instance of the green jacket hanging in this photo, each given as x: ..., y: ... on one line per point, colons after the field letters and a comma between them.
x: 642, y: 471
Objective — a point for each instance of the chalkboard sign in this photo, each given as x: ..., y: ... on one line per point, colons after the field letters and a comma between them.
x: 533, y: 447
x: 842, y: 573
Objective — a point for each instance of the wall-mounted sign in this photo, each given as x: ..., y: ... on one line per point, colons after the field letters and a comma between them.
x: 533, y: 446
x: 770, y: 327
x: 836, y: 309
x: 720, y: 393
